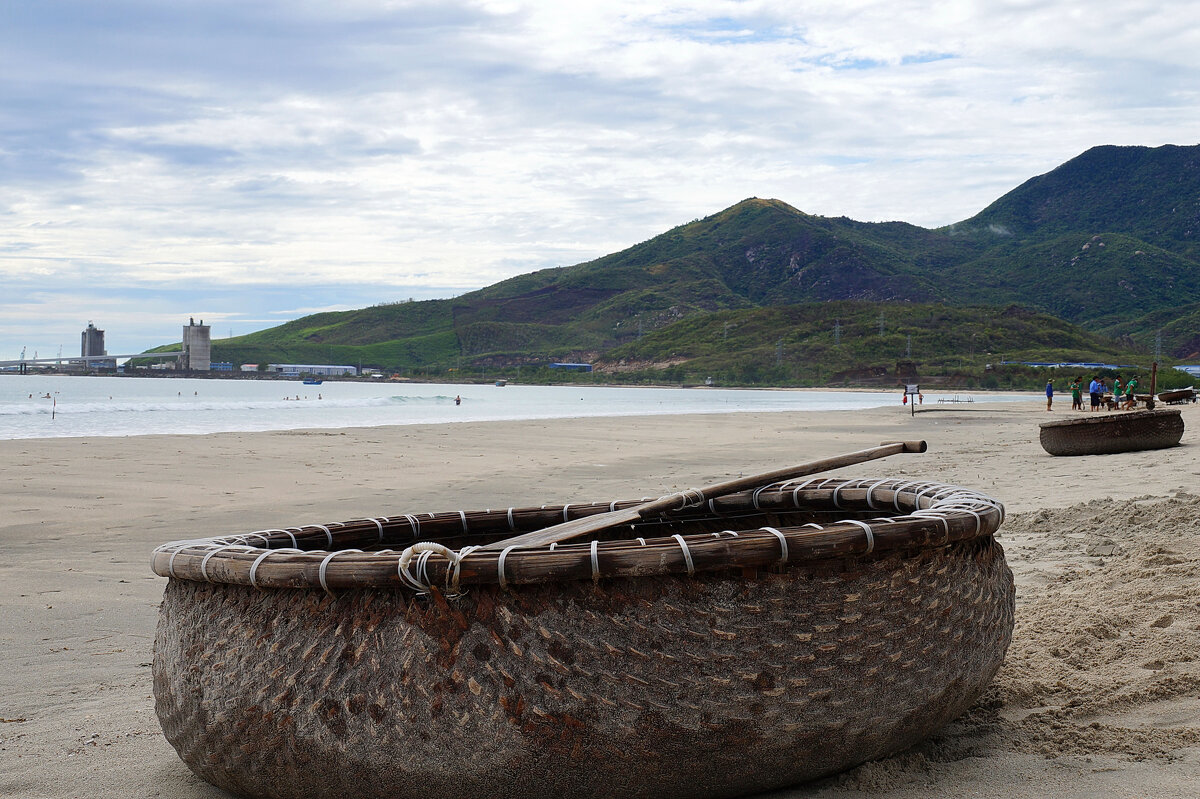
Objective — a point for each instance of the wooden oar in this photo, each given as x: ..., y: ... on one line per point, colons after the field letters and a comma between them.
x: 577, y: 528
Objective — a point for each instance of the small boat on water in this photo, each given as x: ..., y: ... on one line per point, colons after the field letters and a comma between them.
x: 1116, y: 431
x: 732, y: 644
x: 312, y: 381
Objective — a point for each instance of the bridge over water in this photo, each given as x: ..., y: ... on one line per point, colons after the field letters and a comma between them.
x: 23, y: 364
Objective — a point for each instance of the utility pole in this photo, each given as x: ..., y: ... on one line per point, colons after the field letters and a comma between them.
x: 779, y: 352
x: 1158, y: 346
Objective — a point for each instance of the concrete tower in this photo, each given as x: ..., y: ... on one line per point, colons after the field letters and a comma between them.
x: 92, y: 342
x: 197, y: 346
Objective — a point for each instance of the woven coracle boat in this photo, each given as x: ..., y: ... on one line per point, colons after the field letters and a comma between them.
x: 1125, y: 431
x: 753, y: 641
x: 1178, y: 395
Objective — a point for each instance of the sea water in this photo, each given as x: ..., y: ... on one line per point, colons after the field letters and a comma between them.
x: 55, y: 406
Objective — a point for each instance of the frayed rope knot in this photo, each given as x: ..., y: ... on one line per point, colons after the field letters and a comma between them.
x: 413, y: 566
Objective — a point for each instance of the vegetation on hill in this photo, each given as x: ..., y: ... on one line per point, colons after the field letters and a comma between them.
x: 1106, y: 242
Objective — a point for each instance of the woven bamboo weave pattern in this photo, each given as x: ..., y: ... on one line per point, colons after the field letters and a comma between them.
x: 1113, y: 432
x: 713, y: 686
x: 861, y: 630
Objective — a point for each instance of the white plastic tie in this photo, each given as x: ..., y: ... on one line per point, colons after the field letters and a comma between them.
x: 871, y: 490
x: 500, y: 566
x: 328, y: 535
x: 262, y: 557
x: 866, y: 529
x: 836, y: 489
x: 325, y: 564
x: 783, y: 547
x: 220, y: 548
x: 687, y: 554
x: 511, y: 524
x: 595, y: 561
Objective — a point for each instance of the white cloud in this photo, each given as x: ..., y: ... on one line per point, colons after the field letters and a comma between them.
x: 394, y: 147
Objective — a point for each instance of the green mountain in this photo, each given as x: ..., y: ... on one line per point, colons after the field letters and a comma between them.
x: 1106, y: 241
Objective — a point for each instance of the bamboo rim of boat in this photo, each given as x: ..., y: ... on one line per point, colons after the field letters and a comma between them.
x: 1110, y: 417
x: 420, y: 552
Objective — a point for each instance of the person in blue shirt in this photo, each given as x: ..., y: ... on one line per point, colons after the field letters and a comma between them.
x: 1094, y: 389
x: 1049, y: 393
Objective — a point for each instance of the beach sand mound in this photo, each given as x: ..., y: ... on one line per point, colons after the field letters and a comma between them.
x: 1103, y: 661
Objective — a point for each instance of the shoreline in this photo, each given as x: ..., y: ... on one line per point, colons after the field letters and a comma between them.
x: 84, y: 514
x: 234, y: 376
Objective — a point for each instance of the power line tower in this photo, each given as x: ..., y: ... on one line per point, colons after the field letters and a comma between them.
x: 837, y: 332
x: 881, y: 324
x: 908, y: 347
x: 1158, y: 346
x: 779, y: 352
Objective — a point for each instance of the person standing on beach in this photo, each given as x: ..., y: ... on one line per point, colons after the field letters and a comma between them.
x: 1094, y: 389
x: 1117, y: 391
x: 1049, y: 393
x: 1130, y: 399
x: 1076, y: 394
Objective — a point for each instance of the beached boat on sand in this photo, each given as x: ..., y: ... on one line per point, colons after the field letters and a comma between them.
x: 1178, y: 395
x: 744, y: 643
x: 1120, y: 431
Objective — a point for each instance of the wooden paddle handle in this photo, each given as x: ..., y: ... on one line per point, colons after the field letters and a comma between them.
x: 673, y: 501
x: 588, y: 525
x: 909, y: 446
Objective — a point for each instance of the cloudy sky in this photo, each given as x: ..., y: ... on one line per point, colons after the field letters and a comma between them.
x: 249, y: 162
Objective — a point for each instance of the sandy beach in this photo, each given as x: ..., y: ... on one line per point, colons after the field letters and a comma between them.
x: 1100, y: 694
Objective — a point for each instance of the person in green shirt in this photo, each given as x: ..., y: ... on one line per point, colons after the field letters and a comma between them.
x: 1130, y: 399
x: 1076, y: 394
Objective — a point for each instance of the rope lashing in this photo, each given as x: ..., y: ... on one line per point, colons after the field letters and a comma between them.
x: 690, y: 498
x: 422, y: 550
x: 595, y: 561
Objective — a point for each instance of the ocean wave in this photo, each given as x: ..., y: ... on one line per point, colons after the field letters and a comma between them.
x: 187, y: 405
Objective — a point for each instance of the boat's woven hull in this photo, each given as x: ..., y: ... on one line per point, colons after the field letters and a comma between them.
x: 711, y: 685
x: 1101, y: 434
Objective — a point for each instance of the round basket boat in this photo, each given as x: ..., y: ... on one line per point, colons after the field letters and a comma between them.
x: 757, y: 640
x: 1100, y: 434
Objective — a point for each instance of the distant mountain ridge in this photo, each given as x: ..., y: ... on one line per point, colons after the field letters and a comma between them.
x: 1107, y: 240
